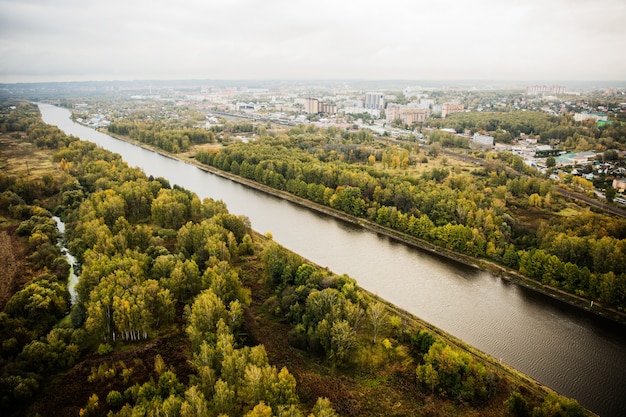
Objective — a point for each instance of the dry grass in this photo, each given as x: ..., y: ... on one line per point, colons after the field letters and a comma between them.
x: 21, y: 158
x: 448, y: 162
x: 569, y: 212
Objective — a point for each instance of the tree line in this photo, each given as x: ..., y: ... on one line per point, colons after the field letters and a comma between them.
x: 171, y: 140
x: 507, y: 126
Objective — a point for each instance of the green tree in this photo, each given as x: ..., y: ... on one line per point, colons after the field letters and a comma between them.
x: 224, y: 400
x: 556, y: 406
x: 323, y: 408
x: 428, y: 376
x: 342, y: 342
x: 610, y: 193
x: 207, y: 310
x: 170, y: 209
x: 516, y: 405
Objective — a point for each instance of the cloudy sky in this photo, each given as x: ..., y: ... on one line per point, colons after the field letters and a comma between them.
x: 79, y: 40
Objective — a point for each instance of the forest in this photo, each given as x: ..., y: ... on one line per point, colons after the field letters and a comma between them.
x: 488, y: 212
x: 560, y: 130
x: 175, y: 293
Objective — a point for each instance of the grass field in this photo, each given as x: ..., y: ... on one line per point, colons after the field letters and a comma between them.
x: 21, y: 158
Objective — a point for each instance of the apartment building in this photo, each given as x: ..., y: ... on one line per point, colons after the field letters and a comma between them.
x: 408, y: 115
x: 375, y: 101
x: 315, y: 106
x: 449, y: 108
x: 544, y: 89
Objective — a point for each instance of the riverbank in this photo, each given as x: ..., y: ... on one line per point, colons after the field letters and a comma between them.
x: 506, y: 375
x: 503, y: 272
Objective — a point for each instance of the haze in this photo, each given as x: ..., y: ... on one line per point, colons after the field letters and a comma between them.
x: 70, y: 40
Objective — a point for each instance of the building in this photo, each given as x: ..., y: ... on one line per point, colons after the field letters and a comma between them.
x: 311, y: 105
x: 581, y: 117
x: 449, y: 108
x: 544, y: 89
x: 408, y: 115
x: 580, y: 158
x: 426, y: 103
x: 484, y: 140
x: 375, y: 101
x: 328, y: 108
x: 315, y: 106
x: 619, y: 184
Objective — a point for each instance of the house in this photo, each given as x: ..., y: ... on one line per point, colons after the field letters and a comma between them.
x: 619, y: 184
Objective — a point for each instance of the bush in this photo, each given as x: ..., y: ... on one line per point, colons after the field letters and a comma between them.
x: 104, y: 349
x: 115, y: 399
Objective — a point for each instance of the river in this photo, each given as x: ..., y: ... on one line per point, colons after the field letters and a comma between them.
x: 574, y: 352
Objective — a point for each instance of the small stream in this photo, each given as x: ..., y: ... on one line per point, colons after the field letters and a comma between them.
x: 73, y: 279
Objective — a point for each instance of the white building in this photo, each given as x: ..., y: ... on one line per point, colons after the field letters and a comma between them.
x: 484, y: 140
x: 579, y: 117
x: 375, y: 101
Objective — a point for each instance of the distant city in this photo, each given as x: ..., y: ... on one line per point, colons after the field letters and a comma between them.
x: 393, y: 108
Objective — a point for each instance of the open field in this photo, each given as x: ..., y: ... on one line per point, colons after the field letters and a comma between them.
x: 21, y: 158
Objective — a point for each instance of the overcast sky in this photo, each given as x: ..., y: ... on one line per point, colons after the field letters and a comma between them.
x: 79, y: 40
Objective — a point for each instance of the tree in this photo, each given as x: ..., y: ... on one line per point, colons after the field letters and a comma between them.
x: 40, y: 304
x: 225, y: 283
x: 428, y: 376
x: 348, y: 199
x: 610, y: 193
x: 224, y: 399
x: 455, y: 373
x: 260, y: 410
x: 207, y: 310
x: 170, y: 209
x: 195, y: 404
x: 557, y: 406
x: 342, y: 342
x: 378, y: 317
x: 138, y: 198
x: 323, y: 408
x: 516, y: 405
x: 435, y: 149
